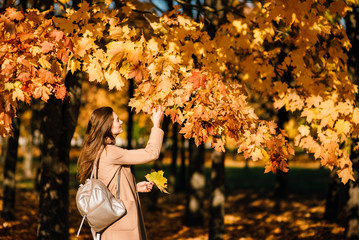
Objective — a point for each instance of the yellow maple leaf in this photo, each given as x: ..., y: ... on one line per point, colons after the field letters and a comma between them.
x: 114, y: 80
x: 272, y: 127
x: 44, y: 63
x: 257, y: 154
x: 342, y: 126
x: 94, y: 70
x: 64, y: 1
x: 356, y: 116
x: 18, y: 94
x: 153, y: 44
x: 115, y: 51
x: 164, y: 87
x: 346, y: 174
x: 156, y: 26
x: 41, y: 92
x: 218, y: 145
x: 73, y: 65
x: 84, y: 44
x: 158, y: 179
x: 304, y: 130
x: 354, y: 2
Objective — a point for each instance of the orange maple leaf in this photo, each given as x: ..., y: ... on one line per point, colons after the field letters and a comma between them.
x: 272, y: 126
x: 46, y: 47
x: 218, y: 145
x: 61, y: 92
x: 46, y: 76
x: 13, y: 14
x: 41, y: 92
x: 200, y: 112
x: 269, y: 168
x: 346, y: 174
x: 63, y: 55
x: 210, y: 130
x: 69, y: 44
x: 57, y: 35
x: 24, y: 76
x: 198, y: 79
x: 138, y: 73
x: 187, y: 129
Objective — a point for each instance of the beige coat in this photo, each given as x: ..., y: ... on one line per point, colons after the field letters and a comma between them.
x: 131, y: 226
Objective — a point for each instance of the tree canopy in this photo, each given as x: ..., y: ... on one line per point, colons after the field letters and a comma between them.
x: 289, y: 52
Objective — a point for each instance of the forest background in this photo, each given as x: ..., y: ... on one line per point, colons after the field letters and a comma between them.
x: 227, y: 74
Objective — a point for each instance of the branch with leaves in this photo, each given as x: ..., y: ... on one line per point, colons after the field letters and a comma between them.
x: 33, y: 57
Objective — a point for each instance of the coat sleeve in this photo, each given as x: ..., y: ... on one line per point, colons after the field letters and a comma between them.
x: 117, y: 155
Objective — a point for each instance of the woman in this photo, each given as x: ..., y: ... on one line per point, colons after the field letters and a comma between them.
x: 104, y: 125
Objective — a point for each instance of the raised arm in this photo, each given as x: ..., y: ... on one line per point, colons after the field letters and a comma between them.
x: 139, y: 156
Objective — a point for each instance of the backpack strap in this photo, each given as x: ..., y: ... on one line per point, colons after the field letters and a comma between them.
x: 97, y: 160
x: 82, y: 223
x: 98, y: 235
x: 118, y: 182
x: 119, y: 174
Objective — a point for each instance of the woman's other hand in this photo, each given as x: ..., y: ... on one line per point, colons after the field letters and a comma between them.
x: 157, y: 116
x: 144, y: 186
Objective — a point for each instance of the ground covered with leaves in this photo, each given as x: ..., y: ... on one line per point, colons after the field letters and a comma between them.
x: 249, y: 215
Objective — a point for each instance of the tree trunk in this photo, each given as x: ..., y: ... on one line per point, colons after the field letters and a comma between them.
x: 181, y: 183
x: 352, y: 207
x: 281, y: 180
x: 3, y: 141
x: 173, y: 169
x: 352, y: 219
x: 158, y: 163
x: 195, y: 191
x: 58, y: 125
x: 218, y: 197
x: 130, y: 116
x: 8, y: 212
x: 337, y: 197
x: 27, y: 166
x: 217, y: 194
x: 280, y: 189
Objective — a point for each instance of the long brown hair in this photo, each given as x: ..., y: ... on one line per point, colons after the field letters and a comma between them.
x: 98, y: 135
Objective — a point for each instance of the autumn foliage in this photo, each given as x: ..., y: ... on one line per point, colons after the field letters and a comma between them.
x: 289, y: 51
x: 32, y: 55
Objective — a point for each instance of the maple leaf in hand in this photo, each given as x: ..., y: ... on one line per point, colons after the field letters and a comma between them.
x: 158, y: 179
